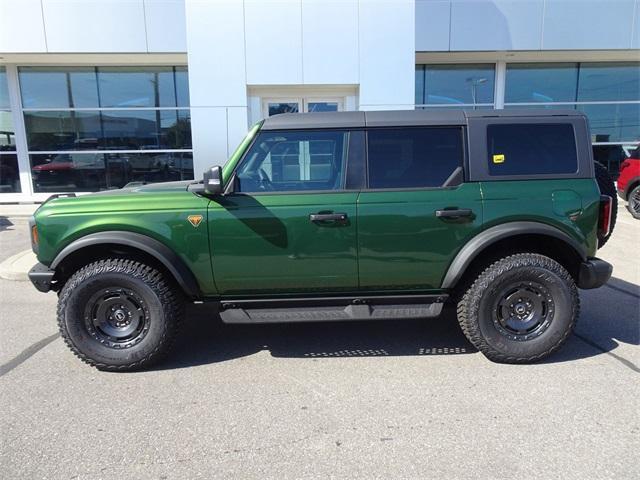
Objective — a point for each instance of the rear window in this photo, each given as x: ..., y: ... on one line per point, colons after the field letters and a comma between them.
x: 413, y: 157
x: 531, y: 149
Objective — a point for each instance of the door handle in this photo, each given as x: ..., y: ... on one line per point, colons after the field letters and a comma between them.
x: 329, y: 217
x: 454, y: 213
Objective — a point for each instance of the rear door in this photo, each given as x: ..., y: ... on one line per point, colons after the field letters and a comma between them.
x: 290, y: 224
x: 417, y: 211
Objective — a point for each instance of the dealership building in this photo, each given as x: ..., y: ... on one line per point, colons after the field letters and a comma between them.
x: 96, y: 94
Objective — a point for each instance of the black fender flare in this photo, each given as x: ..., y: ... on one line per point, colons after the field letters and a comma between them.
x: 473, y: 247
x: 167, y: 257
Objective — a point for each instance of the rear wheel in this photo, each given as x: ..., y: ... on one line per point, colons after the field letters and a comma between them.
x: 634, y: 202
x: 607, y: 187
x: 520, y: 309
x: 119, y: 314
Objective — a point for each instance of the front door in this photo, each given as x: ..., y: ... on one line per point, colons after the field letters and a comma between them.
x: 290, y: 224
x: 417, y: 211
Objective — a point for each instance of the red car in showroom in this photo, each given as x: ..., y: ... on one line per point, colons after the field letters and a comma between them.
x: 629, y: 182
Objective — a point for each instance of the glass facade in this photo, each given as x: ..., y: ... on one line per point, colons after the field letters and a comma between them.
x: 9, y: 171
x: 95, y: 128
x: 607, y: 92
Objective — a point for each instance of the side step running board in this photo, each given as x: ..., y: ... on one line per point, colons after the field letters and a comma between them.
x: 331, y: 309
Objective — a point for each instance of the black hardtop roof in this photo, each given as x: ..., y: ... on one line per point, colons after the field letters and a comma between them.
x: 400, y: 118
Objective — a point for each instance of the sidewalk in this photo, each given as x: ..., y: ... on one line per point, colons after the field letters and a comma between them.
x: 16, y: 267
x: 8, y: 210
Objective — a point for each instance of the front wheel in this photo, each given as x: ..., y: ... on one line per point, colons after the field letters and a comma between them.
x: 119, y: 314
x: 520, y: 309
x: 634, y: 202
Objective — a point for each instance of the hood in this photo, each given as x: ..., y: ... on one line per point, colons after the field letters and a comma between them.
x: 148, y: 188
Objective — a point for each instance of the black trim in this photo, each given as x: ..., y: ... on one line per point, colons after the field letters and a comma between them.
x: 42, y: 277
x: 594, y: 273
x: 473, y: 247
x: 156, y: 249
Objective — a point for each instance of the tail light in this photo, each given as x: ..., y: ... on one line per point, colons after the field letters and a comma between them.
x: 604, y: 219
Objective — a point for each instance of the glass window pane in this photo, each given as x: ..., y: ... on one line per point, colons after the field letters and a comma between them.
x: 529, y: 149
x: 7, y: 132
x: 99, y: 171
x: 9, y: 173
x: 322, y: 107
x: 58, y: 87
x: 107, y: 129
x: 4, y: 89
x: 294, y: 161
x: 613, y: 123
x: 413, y: 158
x: 455, y: 84
x: 419, y: 85
x: 136, y: 87
x: 276, y: 108
x: 609, y: 82
x: 182, y: 86
x: 540, y: 82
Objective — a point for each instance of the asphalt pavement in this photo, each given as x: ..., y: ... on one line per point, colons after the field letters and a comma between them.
x: 394, y: 399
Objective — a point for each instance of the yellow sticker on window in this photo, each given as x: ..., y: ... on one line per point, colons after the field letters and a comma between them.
x: 498, y: 158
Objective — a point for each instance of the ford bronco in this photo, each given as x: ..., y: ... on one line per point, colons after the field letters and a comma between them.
x: 342, y: 216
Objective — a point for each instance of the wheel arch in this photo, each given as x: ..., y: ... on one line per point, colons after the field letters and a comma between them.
x: 103, y: 244
x: 505, y: 239
x: 631, y: 184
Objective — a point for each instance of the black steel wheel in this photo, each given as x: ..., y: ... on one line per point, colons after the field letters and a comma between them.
x: 520, y: 309
x: 634, y: 202
x: 119, y: 314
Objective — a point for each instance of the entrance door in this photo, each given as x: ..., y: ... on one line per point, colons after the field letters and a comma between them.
x: 290, y: 224
x: 415, y: 174
x: 274, y: 106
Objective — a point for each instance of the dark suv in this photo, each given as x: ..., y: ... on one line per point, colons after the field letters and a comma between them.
x: 342, y: 216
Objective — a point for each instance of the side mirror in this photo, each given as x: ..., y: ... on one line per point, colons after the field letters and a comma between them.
x: 212, y: 181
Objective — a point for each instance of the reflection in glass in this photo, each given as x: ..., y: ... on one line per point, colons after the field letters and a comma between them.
x: 70, y: 172
x: 107, y: 129
x: 456, y: 84
x: 4, y: 89
x: 7, y: 132
x: 58, y: 87
x: 322, y: 106
x: 609, y: 82
x: 136, y: 87
x: 9, y: 173
x: 613, y: 122
x: 541, y: 82
x: 276, y: 108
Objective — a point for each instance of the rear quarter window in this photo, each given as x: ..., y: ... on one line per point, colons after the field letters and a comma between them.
x: 531, y: 149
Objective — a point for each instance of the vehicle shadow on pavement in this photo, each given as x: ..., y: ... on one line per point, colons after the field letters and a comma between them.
x: 609, y: 316
x: 207, y: 340
x: 5, y: 224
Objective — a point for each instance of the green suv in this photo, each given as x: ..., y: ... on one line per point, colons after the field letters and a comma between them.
x: 342, y: 216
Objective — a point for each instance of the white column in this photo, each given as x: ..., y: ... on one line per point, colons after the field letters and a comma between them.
x: 501, y: 75
x: 20, y: 134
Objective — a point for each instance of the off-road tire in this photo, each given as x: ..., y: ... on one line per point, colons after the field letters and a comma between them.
x: 478, y: 318
x: 634, y: 202
x: 607, y: 187
x: 159, y: 299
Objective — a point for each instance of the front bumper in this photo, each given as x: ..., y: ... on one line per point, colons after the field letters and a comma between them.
x: 594, y: 273
x: 42, y: 277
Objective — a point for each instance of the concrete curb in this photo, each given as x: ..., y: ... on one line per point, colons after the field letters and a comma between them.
x: 16, y: 267
x: 18, y: 210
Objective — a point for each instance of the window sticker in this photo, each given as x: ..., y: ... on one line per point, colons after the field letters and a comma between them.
x: 498, y: 158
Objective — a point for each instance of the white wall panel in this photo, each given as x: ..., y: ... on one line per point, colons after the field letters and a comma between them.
x: 273, y: 33
x: 166, y: 25
x: 387, y: 52
x: 21, y: 26
x: 587, y: 24
x: 237, y: 127
x: 496, y: 24
x: 209, y: 134
x: 635, y: 35
x: 432, y: 25
x: 94, y: 25
x: 330, y: 41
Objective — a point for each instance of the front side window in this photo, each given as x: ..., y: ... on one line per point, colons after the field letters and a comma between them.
x: 294, y: 161
x: 413, y: 157
x: 531, y: 149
